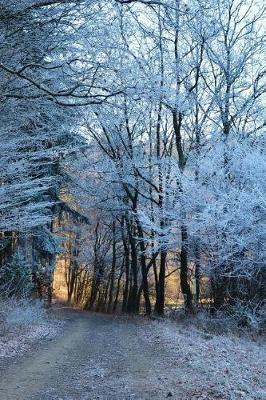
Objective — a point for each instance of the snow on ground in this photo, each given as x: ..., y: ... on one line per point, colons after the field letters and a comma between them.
x: 211, y: 366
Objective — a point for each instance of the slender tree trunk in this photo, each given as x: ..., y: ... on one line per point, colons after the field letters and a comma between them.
x: 185, y: 287
x: 139, y: 297
x: 71, y: 284
x: 126, y: 287
x: 144, y: 272
x: 132, y: 298
x: 112, y: 274
x: 160, y: 298
x: 118, y: 289
x: 218, y: 284
x: 105, y: 295
x: 197, y: 272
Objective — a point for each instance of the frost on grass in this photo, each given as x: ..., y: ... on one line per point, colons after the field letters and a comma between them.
x: 211, y: 366
x: 23, y: 323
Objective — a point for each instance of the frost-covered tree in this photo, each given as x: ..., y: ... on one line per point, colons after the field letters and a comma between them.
x: 36, y: 133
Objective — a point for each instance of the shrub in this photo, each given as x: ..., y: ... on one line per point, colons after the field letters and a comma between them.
x: 16, y: 278
x: 249, y: 314
x: 21, y: 313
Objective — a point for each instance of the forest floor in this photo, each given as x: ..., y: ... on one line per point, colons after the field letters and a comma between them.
x: 104, y: 357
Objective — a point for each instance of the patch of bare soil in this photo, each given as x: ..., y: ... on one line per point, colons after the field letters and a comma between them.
x: 107, y: 358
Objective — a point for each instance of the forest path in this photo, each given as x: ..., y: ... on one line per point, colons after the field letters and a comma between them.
x: 97, y: 357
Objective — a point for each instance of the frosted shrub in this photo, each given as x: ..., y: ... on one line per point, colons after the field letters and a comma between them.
x: 16, y: 278
x: 251, y: 315
x: 237, y: 319
x: 219, y: 324
x: 22, y: 313
x: 23, y: 322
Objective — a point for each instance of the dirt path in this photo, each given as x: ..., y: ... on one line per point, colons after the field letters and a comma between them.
x: 109, y: 358
x: 97, y: 357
